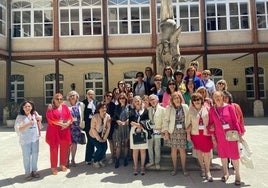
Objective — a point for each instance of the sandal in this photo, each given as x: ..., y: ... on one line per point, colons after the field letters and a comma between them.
x: 224, y: 178
x: 54, y: 171
x: 237, y: 181
x: 173, y: 172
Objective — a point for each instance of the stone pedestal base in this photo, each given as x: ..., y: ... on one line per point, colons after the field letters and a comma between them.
x: 258, y: 108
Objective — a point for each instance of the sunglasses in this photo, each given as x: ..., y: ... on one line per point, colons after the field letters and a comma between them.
x: 108, y: 95
x: 194, y: 64
x: 221, y: 83
x: 59, y: 99
x: 194, y: 100
x: 171, y: 84
x: 121, y: 98
x: 158, y: 80
x: 167, y: 69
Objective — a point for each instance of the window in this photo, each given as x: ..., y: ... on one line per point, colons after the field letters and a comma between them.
x: 216, y: 74
x: 130, y: 77
x: 94, y: 81
x: 3, y: 17
x: 262, y: 14
x: 186, y: 14
x: 17, y: 88
x: 80, y: 18
x: 129, y: 16
x: 227, y: 15
x: 250, y: 82
x: 32, y: 19
x: 50, y: 86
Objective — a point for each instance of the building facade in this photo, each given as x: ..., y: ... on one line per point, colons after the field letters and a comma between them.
x: 56, y: 45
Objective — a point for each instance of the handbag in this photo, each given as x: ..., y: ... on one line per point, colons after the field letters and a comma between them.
x: 232, y: 135
x: 139, y: 137
x: 245, y: 155
x: 82, y: 139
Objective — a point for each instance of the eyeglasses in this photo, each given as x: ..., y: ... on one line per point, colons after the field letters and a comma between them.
x: 59, y: 99
x: 221, y: 83
x: 194, y: 100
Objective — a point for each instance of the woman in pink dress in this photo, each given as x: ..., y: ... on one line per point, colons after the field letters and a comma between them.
x: 58, y: 135
x: 222, y: 118
x: 197, y: 120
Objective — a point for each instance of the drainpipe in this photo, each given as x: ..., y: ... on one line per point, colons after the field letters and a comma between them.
x: 205, y: 58
x: 9, y: 60
x: 105, y: 46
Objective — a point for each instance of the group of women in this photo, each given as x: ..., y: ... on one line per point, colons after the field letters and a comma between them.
x: 174, y: 107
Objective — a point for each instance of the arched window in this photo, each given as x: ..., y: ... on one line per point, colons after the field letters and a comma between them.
x: 17, y: 88
x: 32, y: 19
x: 80, y: 17
x: 94, y: 81
x: 130, y: 77
x: 50, y: 86
x: 216, y: 74
x: 3, y: 17
x: 250, y: 82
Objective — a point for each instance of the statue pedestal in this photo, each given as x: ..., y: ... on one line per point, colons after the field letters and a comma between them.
x: 258, y: 108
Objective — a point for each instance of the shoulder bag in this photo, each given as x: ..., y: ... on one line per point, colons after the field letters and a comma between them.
x: 139, y: 137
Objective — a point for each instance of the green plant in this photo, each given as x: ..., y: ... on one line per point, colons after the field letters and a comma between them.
x: 13, y: 109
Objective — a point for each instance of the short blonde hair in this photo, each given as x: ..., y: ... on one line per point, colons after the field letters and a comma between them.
x: 72, y: 93
x: 175, y: 94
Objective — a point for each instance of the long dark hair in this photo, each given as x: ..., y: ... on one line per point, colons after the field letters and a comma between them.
x: 23, y: 104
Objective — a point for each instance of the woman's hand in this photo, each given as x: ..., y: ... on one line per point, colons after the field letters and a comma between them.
x: 167, y: 136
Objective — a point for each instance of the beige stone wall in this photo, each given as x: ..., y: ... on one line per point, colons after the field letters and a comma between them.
x: 3, y: 43
x: 130, y: 41
x: 80, y: 43
x: 32, y: 44
x: 229, y: 37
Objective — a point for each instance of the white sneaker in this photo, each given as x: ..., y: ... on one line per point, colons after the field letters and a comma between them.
x: 111, y: 161
x: 96, y: 165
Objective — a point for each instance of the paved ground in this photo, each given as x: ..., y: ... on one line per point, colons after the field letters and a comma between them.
x: 12, y: 173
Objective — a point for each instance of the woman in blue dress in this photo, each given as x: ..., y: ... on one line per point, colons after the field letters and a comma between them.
x: 76, y: 108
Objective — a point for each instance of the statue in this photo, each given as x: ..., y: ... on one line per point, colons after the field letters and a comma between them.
x: 168, y: 50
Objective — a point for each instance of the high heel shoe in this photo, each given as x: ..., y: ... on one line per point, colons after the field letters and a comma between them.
x: 135, y: 171
x: 142, y: 171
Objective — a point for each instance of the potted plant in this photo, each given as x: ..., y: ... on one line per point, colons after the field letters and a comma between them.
x: 12, y: 109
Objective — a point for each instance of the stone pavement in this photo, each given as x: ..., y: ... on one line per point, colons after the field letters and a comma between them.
x: 12, y: 173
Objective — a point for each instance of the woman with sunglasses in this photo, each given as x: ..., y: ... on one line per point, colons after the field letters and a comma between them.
x: 121, y: 133
x: 221, y: 85
x: 171, y: 88
x: 58, y: 135
x: 196, y: 123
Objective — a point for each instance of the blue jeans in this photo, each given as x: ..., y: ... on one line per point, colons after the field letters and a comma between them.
x: 30, y: 156
x: 101, y: 149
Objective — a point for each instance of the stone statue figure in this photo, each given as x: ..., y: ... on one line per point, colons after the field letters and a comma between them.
x: 168, y: 50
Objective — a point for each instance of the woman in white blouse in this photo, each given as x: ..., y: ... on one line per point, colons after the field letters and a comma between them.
x: 28, y: 130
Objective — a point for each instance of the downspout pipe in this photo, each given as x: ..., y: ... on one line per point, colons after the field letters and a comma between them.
x: 9, y: 60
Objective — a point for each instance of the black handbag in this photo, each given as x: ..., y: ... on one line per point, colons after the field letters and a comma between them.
x: 139, y: 137
x: 82, y: 138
